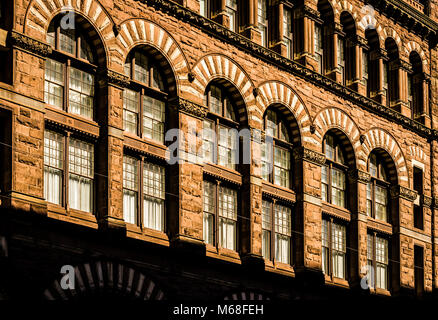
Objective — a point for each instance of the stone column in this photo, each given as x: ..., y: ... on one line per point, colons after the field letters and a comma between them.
x: 250, y: 28
x: 308, y: 215
x: 378, y: 57
x: 331, y: 35
x: 358, y: 226
x: 422, y: 81
x: 305, y: 18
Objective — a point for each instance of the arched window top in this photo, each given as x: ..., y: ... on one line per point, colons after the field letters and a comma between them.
x: 333, y: 149
x: 71, y: 39
x: 275, y: 126
x: 220, y: 102
x: 415, y: 60
x: 141, y: 67
x: 377, y: 167
x: 348, y: 24
x: 326, y: 10
x: 392, y: 49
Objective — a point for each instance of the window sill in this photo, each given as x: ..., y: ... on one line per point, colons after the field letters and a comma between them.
x: 334, y: 281
x: 279, y: 267
x: 144, y: 145
x: 146, y: 234
x: 279, y: 192
x: 71, y: 215
x: 223, y: 254
x: 336, y: 211
x: 379, y: 225
x: 382, y: 292
x: 223, y: 173
x: 71, y: 120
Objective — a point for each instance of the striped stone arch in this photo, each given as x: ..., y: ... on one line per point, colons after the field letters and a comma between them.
x: 218, y: 66
x: 348, y: 7
x: 40, y: 13
x: 106, y: 278
x: 414, y: 46
x: 379, y: 138
x: 417, y: 153
x: 390, y: 33
x: 275, y: 92
x: 246, y: 296
x: 164, y: 48
x: 334, y: 118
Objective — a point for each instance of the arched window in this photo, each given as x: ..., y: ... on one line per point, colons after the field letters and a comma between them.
x: 144, y: 102
x: 276, y: 151
x: 390, y: 72
x: 377, y: 189
x: 415, y: 86
x: 346, y: 50
x: 70, y: 70
x: 220, y: 128
x: 321, y: 34
x: 333, y: 173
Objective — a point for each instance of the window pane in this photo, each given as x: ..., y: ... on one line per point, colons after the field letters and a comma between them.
x: 81, y: 167
x: 227, y: 147
x: 130, y: 110
x: 282, y: 248
x: 215, y: 100
x: 67, y: 40
x: 153, y: 119
x: 53, y: 166
x: 130, y: 206
x: 153, y: 196
x: 157, y: 80
x: 381, y: 198
x: 208, y: 145
x: 271, y: 127
x: 338, y: 187
x: 266, y: 160
x: 338, y: 250
x: 262, y: 18
x: 324, y: 183
x: 282, y: 219
x: 329, y: 147
x: 325, y: 246
x: 209, y: 210
x: 281, y: 167
x: 266, y: 244
x: 373, y: 165
x: 81, y: 93
x: 86, y: 52
x: 227, y: 217
x: 287, y: 31
x: 54, y: 83
x: 141, y: 71
x: 369, y: 199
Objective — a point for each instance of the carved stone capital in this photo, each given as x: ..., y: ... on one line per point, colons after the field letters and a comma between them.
x: 426, y: 201
x: 192, y: 108
x: 302, y: 153
x: 116, y: 78
x: 357, y: 175
x: 379, y: 53
x: 308, y: 12
x: 403, y: 192
x: 405, y: 66
x: 22, y: 41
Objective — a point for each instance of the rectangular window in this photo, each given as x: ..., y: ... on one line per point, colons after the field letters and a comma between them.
x: 419, y: 269
x: 81, y: 175
x: 215, y: 100
x: 266, y: 229
x: 418, y: 180
x: 287, y: 31
x: 227, y: 147
x: 282, y: 233
x: 53, y: 166
x: 209, y: 209
x: 227, y: 218
x: 334, y: 237
x: 381, y: 198
x: 208, y: 144
x: 418, y: 217
x: 369, y: 199
x: 231, y: 9
x: 319, y: 51
x: 153, y: 119
x: 281, y: 167
x: 262, y: 18
x: 341, y: 58
x: 54, y: 83
x: 153, y: 196
x: 130, y: 111
x: 81, y: 96
x: 266, y: 160
x: 324, y: 183
x: 67, y: 40
x: 377, y: 256
x: 130, y: 189
x: 338, y: 187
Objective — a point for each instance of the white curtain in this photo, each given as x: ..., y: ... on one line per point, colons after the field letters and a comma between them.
x: 153, y: 213
x: 266, y: 244
x: 282, y: 246
x: 208, y: 228
x: 228, y: 233
x: 53, y: 185
x: 338, y: 265
x: 129, y: 206
x: 80, y: 193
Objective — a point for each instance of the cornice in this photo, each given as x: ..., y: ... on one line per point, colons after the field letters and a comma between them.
x: 358, y: 175
x: 426, y: 201
x: 24, y: 42
x: 302, y: 153
x: 294, y: 67
x: 116, y: 78
x: 403, y: 192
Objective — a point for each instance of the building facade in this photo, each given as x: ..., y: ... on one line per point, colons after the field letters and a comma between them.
x: 335, y: 102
